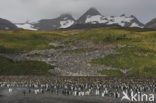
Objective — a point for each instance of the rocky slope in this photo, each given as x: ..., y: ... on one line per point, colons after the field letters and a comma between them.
x: 151, y: 24
x: 70, y: 60
x: 7, y: 25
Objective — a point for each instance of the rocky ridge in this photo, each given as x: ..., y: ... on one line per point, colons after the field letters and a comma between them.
x: 91, y: 17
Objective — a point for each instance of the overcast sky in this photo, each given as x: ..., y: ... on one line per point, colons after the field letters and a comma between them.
x: 22, y: 10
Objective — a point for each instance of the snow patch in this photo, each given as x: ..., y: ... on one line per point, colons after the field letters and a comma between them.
x: 25, y: 26
x: 96, y: 19
x: 120, y: 20
x: 134, y: 25
x: 66, y: 23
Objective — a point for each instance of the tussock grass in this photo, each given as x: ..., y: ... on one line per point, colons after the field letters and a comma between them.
x: 20, y: 41
x: 9, y: 67
x: 139, y: 54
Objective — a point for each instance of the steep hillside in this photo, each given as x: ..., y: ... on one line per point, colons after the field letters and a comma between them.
x: 7, y: 25
x: 151, y: 24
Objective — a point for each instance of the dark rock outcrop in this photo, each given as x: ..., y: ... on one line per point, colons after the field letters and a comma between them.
x: 7, y: 25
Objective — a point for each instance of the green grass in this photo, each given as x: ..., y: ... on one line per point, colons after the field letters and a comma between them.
x: 21, y: 41
x: 141, y: 61
x: 106, y: 35
x: 9, y: 67
x: 128, y: 57
x: 139, y: 54
x: 117, y: 73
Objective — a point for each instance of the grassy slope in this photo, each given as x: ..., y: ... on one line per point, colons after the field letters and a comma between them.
x: 9, y: 67
x: 19, y: 41
x: 111, y: 72
x: 22, y: 41
x: 138, y: 53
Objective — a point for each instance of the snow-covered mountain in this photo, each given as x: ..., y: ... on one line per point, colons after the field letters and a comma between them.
x: 90, y: 17
x: 63, y: 21
x: 93, y: 16
x: 7, y: 25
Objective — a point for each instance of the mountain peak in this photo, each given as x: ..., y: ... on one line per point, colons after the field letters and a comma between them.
x: 123, y: 15
x: 66, y: 17
x: 91, y: 12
